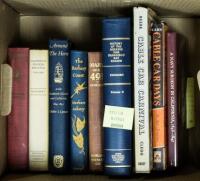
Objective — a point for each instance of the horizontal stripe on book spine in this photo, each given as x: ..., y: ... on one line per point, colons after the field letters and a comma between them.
x: 117, y: 166
x: 108, y: 66
x: 160, y: 147
x: 116, y: 84
x: 116, y: 149
x: 118, y: 38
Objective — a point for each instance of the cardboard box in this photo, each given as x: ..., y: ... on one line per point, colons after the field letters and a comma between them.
x: 32, y: 22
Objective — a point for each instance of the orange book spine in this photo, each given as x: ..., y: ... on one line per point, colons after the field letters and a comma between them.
x: 159, y: 96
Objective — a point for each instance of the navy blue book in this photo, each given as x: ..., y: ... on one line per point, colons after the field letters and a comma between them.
x: 79, y: 112
x: 59, y: 104
x: 117, y: 92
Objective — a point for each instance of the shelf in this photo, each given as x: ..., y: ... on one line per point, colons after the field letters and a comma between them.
x: 184, y: 174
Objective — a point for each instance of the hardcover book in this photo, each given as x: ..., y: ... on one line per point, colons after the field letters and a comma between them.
x: 159, y: 95
x: 143, y: 19
x: 59, y: 103
x: 172, y: 99
x: 183, y: 141
x: 18, y: 58
x: 95, y: 110
x: 117, y: 73
x: 79, y: 111
x: 176, y: 85
x: 38, y: 110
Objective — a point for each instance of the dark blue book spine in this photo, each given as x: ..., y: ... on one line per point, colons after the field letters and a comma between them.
x: 59, y: 103
x: 117, y: 92
x: 79, y: 112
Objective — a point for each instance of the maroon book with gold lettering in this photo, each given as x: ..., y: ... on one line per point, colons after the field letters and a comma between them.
x: 18, y: 58
x: 172, y: 99
x: 95, y: 103
x: 176, y: 99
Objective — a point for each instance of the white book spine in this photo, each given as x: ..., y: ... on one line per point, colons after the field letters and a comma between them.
x: 142, y: 67
x: 38, y: 110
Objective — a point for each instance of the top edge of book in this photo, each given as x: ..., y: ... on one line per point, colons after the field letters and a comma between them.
x: 18, y: 48
x: 150, y: 11
x: 42, y: 50
x: 96, y: 52
x: 116, y: 19
x: 34, y: 50
x: 59, y: 40
x: 78, y: 51
x: 39, y: 52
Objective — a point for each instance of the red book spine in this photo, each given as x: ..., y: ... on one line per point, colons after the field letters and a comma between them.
x: 172, y: 99
x: 18, y: 58
x: 95, y: 100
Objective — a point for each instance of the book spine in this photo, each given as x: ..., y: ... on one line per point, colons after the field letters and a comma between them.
x: 59, y: 120
x: 38, y: 110
x: 79, y: 111
x: 172, y: 102
x: 142, y: 75
x: 95, y: 110
x: 117, y: 92
x: 182, y: 57
x: 18, y: 58
x: 159, y: 96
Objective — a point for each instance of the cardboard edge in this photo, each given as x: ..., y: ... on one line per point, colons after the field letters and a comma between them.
x: 6, y: 89
x: 198, y: 79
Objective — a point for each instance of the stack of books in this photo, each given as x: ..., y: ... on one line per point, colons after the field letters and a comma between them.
x: 59, y: 97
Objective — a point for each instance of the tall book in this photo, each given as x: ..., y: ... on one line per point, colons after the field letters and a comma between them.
x: 59, y: 119
x: 38, y: 110
x: 18, y: 58
x: 79, y: 111
x: 172, y: 99
x: 117, y: 92
x: 176, y: 102
x: 95, y: 110
x: 159, y: 95
x: 183, y: 133
x: 143, y: 19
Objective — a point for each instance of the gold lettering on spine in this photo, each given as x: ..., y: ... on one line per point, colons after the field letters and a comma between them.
x: 79, y: 123
x: 156, y: 64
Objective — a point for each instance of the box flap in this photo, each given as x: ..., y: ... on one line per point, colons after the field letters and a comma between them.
x: 6, y: 90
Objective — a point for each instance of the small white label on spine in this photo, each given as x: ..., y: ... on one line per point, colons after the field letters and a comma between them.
x: 118, y: 117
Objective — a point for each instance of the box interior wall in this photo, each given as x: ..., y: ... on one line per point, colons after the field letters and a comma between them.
x: 31, y: 24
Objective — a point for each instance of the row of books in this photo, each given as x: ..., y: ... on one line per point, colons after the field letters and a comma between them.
x: 59, y: 96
